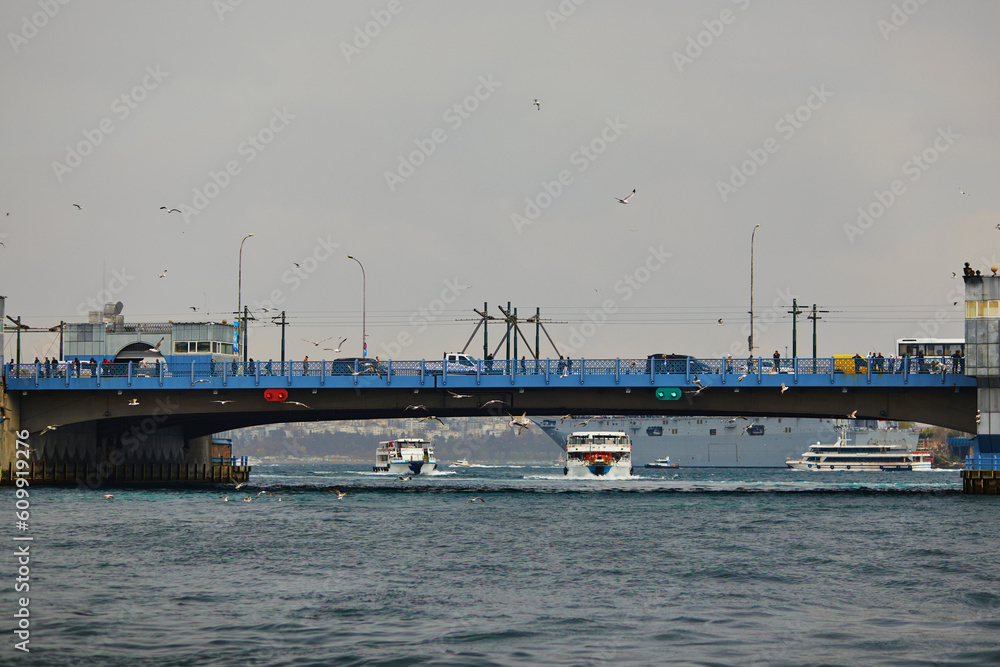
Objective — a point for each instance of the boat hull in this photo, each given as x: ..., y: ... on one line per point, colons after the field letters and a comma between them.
x: 408, y: 467
x: 580, y: 470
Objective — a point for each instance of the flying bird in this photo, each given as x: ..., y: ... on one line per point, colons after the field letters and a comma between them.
x: 428, y: 417
x: 477, y: 499
x: 247, y: 499
x: 495, y: 400
x: 296, y: 403
x: 853, y: 415
x: 240, y: 485
x: 627, y: 197
x: 340, y: 494
x: 50, y: 427
x: 521, y: 422
x: 414, y: 407
x: 163, y: 275
x: 740, y: 378
x: 260, y: 493
x: 405, y: 479
x: 964, y: 192
x: 78, y: 207
x: 201, y: 380
x: 109, y: 496
x: 315, y: 342
x: 585, y: 421
x: 537, y: 104
x: 224, y: 402
x: 342, y: 341
x: 134, y: 401
x: 783, y: 388
x: 171, y: 210
x: 720, y: 321
x: 194, y: 308
x: 564, y: 418
x: 453, y: 394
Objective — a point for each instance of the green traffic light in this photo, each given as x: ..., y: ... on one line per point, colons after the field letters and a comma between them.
x: 668, y: 393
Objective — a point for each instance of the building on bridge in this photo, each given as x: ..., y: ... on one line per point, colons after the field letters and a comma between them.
x: 108, y: 336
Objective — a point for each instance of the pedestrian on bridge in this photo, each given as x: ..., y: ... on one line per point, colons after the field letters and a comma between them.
x: 305, y: 365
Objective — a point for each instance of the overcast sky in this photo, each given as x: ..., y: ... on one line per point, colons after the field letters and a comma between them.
x: 406, y: 134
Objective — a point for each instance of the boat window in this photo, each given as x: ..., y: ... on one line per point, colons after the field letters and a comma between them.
x: 711, y: 431
x: 180, y: 347
x: 204, y: 346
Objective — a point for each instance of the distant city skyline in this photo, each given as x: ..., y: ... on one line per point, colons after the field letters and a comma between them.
x: 471, y: 153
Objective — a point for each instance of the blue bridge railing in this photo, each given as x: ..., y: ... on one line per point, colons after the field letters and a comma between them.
x: 80, y: 374
x: 983, y: 462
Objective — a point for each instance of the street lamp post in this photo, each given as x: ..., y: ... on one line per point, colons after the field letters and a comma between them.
x: 239, y: 298
x: 750, y: 337
x: 364, y: 341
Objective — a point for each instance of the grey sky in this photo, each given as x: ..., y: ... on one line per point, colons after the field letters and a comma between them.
x: 288, y: 121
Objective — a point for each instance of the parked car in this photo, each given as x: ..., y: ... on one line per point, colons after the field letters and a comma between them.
x: 675, y: 363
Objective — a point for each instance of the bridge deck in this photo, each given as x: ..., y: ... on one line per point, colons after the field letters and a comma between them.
x: 822, y: 372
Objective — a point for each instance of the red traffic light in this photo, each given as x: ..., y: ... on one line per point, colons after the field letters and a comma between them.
x: 277, y: 395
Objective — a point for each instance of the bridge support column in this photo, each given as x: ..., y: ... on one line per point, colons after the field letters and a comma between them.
x: 11, y: 413
x: 982, y: 361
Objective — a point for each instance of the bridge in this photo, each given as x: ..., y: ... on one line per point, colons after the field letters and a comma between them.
x: 126, y: 422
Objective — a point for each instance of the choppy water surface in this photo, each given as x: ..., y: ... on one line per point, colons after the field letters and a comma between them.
x: 690, y: 567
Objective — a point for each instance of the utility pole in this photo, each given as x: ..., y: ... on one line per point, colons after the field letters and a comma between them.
x: 795, y: 314
x: 538, y: 326
x: 283, y: 340
x: 508, y: 330
x: 486, y: 342
x: 246, y: 312
x: 814, y: 317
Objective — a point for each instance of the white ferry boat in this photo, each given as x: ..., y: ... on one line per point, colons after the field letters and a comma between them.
x: 598, y: 454
x: 877, y: 456
x: 461, y: 463
x: 405, y: 456
x: 662, y: 463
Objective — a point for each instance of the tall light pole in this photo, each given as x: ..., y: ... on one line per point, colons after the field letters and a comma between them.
x: 239, y: 297
x: 364, y: 341
x: 750, y: 337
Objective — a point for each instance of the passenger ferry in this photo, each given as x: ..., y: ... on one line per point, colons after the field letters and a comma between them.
x: 598, y: 454
x: 661, y: 463
x: 877, y: 456
x: 405, y: 456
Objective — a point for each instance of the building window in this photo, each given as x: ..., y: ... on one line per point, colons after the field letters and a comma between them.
x: 180, y: 347
x: 711, y: 431
x: 981, y: 309
x: 204, y: 347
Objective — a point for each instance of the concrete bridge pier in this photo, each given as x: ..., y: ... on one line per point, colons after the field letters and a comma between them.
x: 982, y: 356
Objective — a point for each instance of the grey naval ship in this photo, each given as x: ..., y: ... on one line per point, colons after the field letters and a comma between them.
x: 724, y: 442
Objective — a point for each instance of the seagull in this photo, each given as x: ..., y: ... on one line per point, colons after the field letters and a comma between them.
x: 134, y: 401
x: 260, y: 493
x: 521, y: 422
x: 247, y: 499
x: 163, y: 275
x: 297, y: 265
x: 194, y: 308
x: 225, y: 499
x: 460, y: 395
x: 495, y: 400
x: 627, y: 197
x: 109, y: 496
x: 852, y: 415
x: 316, y: 343
x: 171, y: 210
x: 740, y: 378
x: 405, y: 479
x: 342, y: 340
x: 585, y: 421
x: 697, y: 382
x: 414, y: 407
x: 297, y: 403
x: 340, y: 494
x: 201, y: 380
x: 224, y: 402
x: 477, y: 499
x: 369, y: 366
x: 50, y: 427
x: 240, y: 485
x: 438, y: 419
x: 537, y: 104
x: 964, y: 192
x: 78, y: 207
x: 720, y: 321
x: 783, y: 388
x: 564, y: 418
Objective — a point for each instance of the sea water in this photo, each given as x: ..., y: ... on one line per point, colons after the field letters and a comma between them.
x: 677, y: 566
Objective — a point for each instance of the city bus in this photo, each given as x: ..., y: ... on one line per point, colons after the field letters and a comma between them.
x: 931, y: 347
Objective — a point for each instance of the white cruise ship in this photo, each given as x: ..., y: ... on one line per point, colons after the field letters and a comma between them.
x: 598, y: 454
x: 875, y: 456
x: 722, y: 442
x: 405, y: 456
